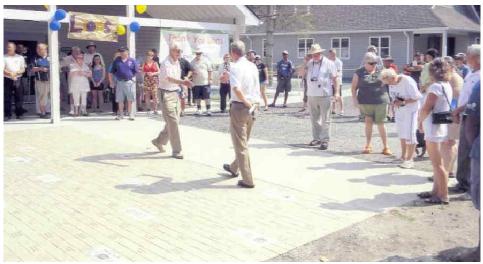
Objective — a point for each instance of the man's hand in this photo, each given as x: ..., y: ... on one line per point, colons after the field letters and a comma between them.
x: 355, y: 102
x: 398, y: 103
x: 456, y: 115
x: 187, y: 83
x: 248, y: 104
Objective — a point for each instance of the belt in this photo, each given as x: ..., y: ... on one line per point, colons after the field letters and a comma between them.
x: 125, y: 80
x: 168, y: 91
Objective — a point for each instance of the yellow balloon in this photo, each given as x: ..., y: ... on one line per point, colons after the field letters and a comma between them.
x: 121, y: 30
x: 141, y: 8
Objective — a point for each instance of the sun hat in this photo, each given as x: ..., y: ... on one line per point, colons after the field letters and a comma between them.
x: 315, y: 48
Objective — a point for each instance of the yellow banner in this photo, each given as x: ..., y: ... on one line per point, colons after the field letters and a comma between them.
x: 92, y: 27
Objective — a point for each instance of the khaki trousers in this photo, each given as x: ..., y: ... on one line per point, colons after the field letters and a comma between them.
x: 319, y: 108
x: 241, y: 123
x: 171, y: 110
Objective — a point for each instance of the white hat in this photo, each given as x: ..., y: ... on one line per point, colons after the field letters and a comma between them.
x: 198, y: 50
x: 285, y: 52
x: 315, y: 48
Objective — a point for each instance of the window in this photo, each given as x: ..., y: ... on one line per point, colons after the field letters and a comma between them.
x: 264, y: 48
x: 383, y: 45
x: 304, y: 46
x: 342, y: 46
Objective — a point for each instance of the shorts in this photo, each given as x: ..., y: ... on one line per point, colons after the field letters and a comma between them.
x: 201, y: 92
x: 284, y: 84
x: 453, y: 131
x: 377, y: 112
x: 125, y: 90
x: 42, y: 89
x: 100, y: 88
x: 407, y: 124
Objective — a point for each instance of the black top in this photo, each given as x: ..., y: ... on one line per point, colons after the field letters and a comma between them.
x: 185, y: 67
x: 261, y: 72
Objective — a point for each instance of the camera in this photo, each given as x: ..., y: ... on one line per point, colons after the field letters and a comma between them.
x: 313, y: 79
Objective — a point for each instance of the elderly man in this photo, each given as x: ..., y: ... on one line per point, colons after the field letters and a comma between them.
x: 170, y: 82
x: 463, y: 171
x: 245, y: 91
x: 202, y: 72
x: 40, y: 68
x: 124, y: 68
x: 285, y: 69
x: 322, y: 85
x: 14, y: 67
x: 338, y: 64
x: 460, y: 61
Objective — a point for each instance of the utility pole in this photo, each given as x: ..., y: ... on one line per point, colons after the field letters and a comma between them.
x: 270, y: 27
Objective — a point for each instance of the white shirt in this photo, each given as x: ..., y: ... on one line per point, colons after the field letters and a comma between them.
x: 244, y: 78
x: 470, y: 81
x: 200, y: 71
x: 169, y: 68
x: 406, y: 89
x: 14, y: 63
x: 338, y: 64
x: 324, y: 72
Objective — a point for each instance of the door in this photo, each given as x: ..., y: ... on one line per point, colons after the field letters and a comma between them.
x: 451, y: 46
x: 434, y: 42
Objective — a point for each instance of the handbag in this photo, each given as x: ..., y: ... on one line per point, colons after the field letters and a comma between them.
x: 444, y: 117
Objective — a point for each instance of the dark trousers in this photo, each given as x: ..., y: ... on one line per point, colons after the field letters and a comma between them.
x: 463, y: 171
x: 112, y: 94
x: 224, y: 92
x: 12, y: 88
x: 191, y: 98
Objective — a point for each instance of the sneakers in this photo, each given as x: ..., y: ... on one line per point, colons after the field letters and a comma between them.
x: 208, y: 113
x: 198, y: 112
x: 159, y: 147
x: 407, y: 164
x: 397, y: 161
x: 119, y: 117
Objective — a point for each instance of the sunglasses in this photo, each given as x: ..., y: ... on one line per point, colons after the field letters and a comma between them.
x: 372, y: 63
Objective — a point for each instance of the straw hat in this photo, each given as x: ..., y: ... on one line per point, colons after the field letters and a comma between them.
x: 315, y: 48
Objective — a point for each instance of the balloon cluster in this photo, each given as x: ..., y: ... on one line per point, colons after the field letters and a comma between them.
x: 59, y: 14
x: 133, y: 26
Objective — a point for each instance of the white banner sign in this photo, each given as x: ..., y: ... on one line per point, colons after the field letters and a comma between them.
x: 213, y: 46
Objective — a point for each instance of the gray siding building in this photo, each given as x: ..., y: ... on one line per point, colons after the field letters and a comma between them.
x: 398, y: 31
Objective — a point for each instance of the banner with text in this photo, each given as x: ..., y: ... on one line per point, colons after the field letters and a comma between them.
x: 213, y: 46
x: 92, y: 27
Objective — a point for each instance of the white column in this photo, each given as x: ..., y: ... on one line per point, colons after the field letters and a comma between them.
x: 131, y: 45
x: 444, y: 43
x: 54, y: 71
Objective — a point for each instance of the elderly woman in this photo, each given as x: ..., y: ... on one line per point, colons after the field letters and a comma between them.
x: 456, y: 82
x: 369, y: 95
x: 438, y: 97
x: 150, y: 70
x: 79, y: 74
x: 406, y: 96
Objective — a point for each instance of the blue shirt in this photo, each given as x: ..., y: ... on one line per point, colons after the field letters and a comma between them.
x: 42, y: 63
x: 473, y: 110
x: 285, y: 69
x: 124, y: 70
x: 464, y: 70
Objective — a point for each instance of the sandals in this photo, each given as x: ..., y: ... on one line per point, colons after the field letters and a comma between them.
x: 436, y: 200
x: 425, y: 195
x: 387, y: 152
x: 314, y: 142
x: 367, y: 150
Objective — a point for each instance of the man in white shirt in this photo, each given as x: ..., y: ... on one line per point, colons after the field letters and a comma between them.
x: 321, y: 76
x: 202, y: 70
x: 245, y: 96
x: 463, y: 170
x: 170, y: 81
x: 91, y: 52
x: 14, y: 67
x: 338, y: 64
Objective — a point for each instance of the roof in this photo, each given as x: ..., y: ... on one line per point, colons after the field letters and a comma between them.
x: 364, y: 18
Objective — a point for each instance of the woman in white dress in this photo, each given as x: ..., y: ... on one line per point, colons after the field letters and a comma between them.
x: 79, y: 74
x: 406, y: 96
x: 438, y: 97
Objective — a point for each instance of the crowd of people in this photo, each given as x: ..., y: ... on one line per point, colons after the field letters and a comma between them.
x: 433, y: 96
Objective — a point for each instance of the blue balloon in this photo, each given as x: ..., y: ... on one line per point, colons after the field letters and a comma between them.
x: 54, y: 25
x: 134, y: 26
x: 60, y: 14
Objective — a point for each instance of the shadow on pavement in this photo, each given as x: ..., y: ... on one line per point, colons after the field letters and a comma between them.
x: 363, y: 165
x: 377, y: 204
x: 457, y: 254
x: 166, y: 185
x: 103, y: 158
x: 392, y: 179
